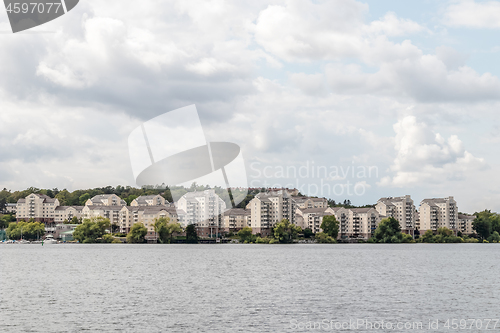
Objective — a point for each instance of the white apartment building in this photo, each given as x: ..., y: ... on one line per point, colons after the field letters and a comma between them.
x: 268, y: 209
x: 400, y: 208
x: 438, y: 212
x: 149, y: 200
x: 106, y: 200
x: 356, y: 222
x: 465, y: 224
x: 66, y: 213
x: 39, y: 207
x: 236, y: 219
x: 203, y: 208
x: 312, y: 217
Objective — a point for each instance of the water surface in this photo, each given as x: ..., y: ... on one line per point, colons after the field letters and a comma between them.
x: 243, y: 288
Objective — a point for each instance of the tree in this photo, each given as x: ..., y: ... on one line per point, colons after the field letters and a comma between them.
x: 130, y: 198
x: 427, y: 237
x: 91, y: 229
x: 285, y: 231
x: 27, y: 230
x: 191, y: 235
x: 3, y: 205
x: 83, y: 198
x: 322, y: 237
x: 494, y: 237
x: 5, y: 220
x: 308, y: 233
x: 74, y: 220
x: 165, y: 229
x: 482, y: 224
x: 330, y: 226
x: 443, y: 235
x: 389, y: 231
x: 245, y: 235
x: 137, y: 233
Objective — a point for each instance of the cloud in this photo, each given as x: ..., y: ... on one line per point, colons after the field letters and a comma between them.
x: 426, y: 78
x: 305, y: 31
x: 471, y: 14
x: 424, y: 157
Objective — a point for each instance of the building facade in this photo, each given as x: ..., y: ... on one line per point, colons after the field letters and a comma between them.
x: 66, y: 213
x: 465, y: 224
x: 438, y: 212
x: 312, y: 217
x: 306, y: 202
x: 268, y: 209
x: 356, y: 223
x: 105, y: 200
x: 205, y: 209
x: 236, y: 219
x: 39, y: 207
x: 149, y: 200
x: 400, y: 208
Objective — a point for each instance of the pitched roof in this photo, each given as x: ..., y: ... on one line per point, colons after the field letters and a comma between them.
x: 360, y: 210
x: 313, y: 210
x: 79, y: 208
x: 237, y: 211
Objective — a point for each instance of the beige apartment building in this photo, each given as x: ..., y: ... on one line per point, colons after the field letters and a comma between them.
x: 312, y: 217
x: 149, y: 200
x: 438, y: 212
x: 307, y: 202
x: 147, y: 215
x: 110, y: 212
x: 39, y: 207
x: 66, y: 213
x: 465, y: 224
x: 357, y: 223
x: 106, y: 200
x: 236, y: 219
x: 400, y: 208
x: 268, y: 209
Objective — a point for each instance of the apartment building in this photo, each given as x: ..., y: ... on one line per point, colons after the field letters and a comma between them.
x: 39, y: 207
x: 111, y: 212
x: 236, y: 219
x: 268, y: 209
x: 438, y: 212
x: 307, y: 202
x: 203, y: 208
x: 281, y: 190
x: 149, y: 200
x: 10, y: 208
x: 147, y: 215
x: 105, y: 200
x: 400, y: 208
x: 66, y: 213
x: 312, y: 217
x: 465, y: 224
x: 359, y: 223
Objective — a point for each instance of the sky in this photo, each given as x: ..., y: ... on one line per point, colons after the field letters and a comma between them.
x: 344, y: 99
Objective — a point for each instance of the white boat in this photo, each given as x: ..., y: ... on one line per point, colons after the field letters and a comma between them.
x: 49, y: 240
x: 22, y: 241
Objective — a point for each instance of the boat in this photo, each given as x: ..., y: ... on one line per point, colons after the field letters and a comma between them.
x: 49, y: 240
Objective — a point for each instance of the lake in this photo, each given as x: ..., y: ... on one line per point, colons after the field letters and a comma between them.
x: 247, y: 288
